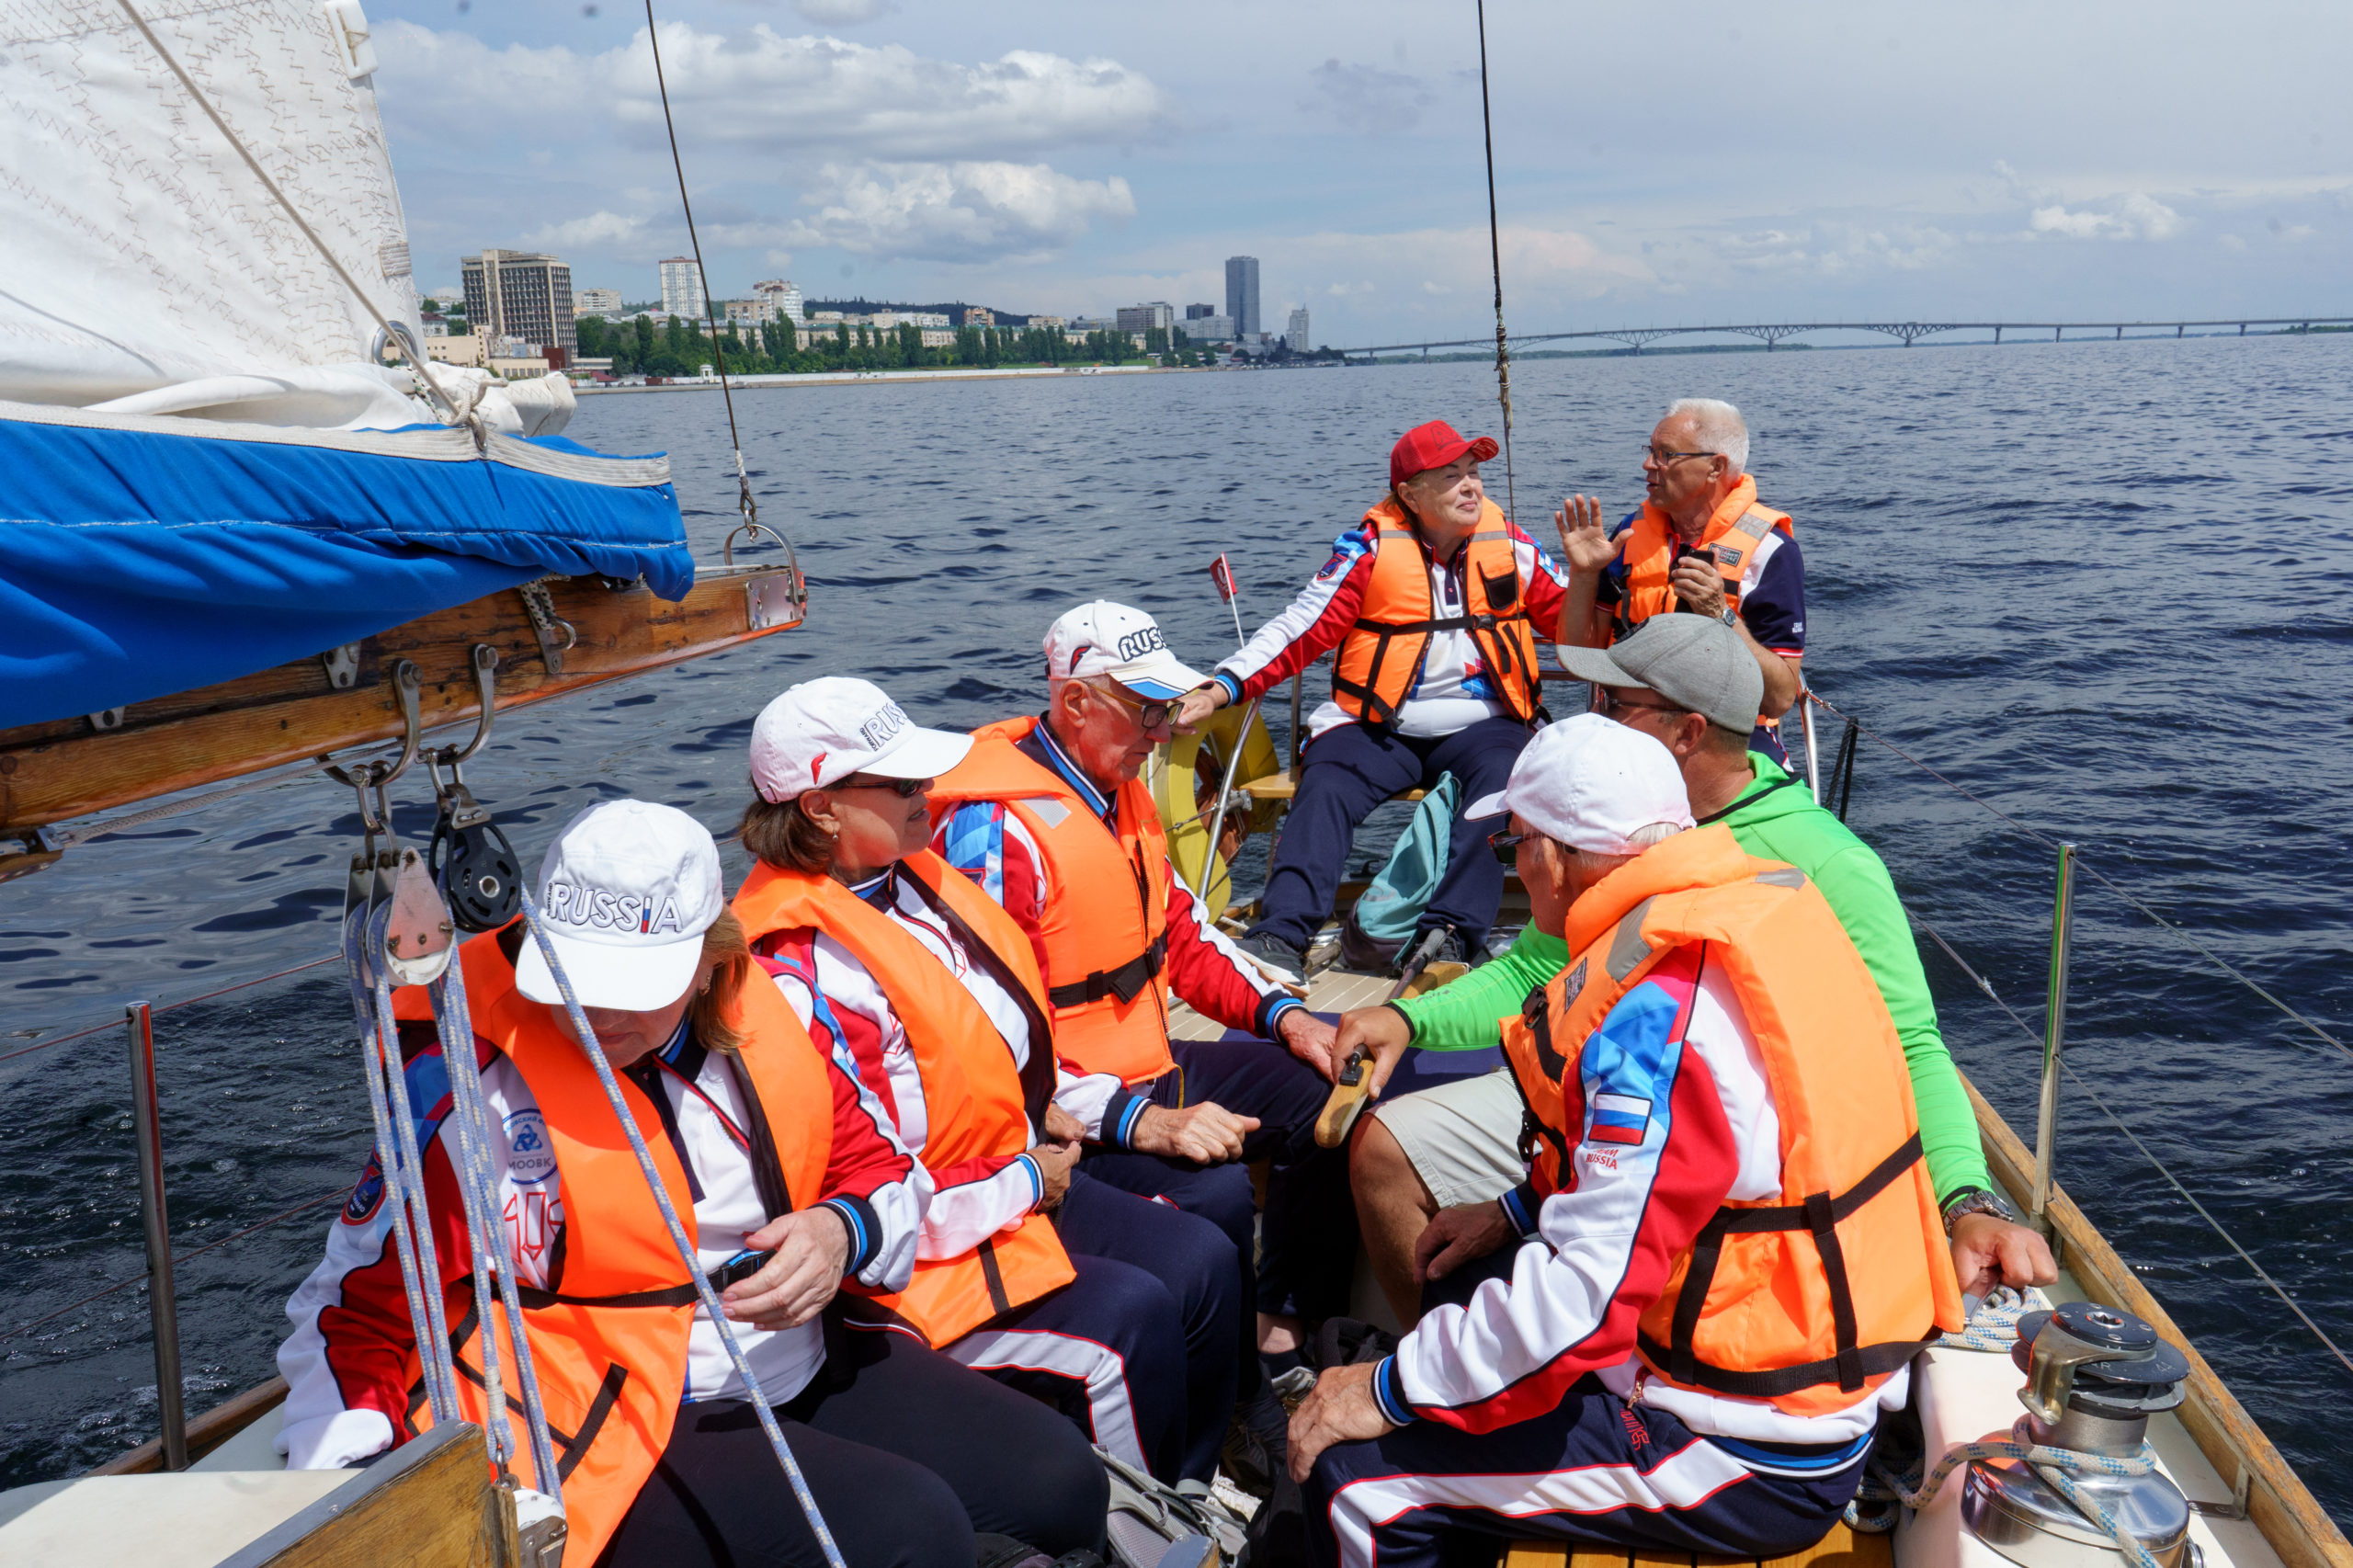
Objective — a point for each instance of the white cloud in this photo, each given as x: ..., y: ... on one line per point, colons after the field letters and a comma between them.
x: 785, y: 97
x: 964, y: 211
x: 601, y: 230
x: 2135, y: 216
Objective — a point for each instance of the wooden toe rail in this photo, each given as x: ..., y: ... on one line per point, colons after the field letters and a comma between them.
x: 1842, y: 1548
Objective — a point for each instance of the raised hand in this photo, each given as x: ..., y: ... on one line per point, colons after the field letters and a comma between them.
x: 1198, y: 705
x: 1585, y: 544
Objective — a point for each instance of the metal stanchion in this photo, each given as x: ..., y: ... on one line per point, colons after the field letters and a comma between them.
x: 2054, y: 1035
x: 161, y: 1310
x: 1813, y: 758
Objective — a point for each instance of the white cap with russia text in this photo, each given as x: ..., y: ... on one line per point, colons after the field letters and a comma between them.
x: 823, y: 730
x: 1592, y: 783
x: 1107, y: 638
x: 626, y: 893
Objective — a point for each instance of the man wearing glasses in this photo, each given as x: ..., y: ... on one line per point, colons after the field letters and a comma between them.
x: 1688, y: 684
x: 1050, y: 818
x: 1701, y: 544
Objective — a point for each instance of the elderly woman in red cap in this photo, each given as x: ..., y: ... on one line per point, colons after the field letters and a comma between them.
x: 1434, y: 603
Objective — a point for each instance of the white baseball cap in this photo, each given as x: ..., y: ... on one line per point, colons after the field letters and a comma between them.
x: 1104, y: 638
x: 1592, y: 784
x: 626, y: 893
x: 821, y: 731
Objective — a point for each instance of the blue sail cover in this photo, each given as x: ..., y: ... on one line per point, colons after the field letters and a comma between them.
x: 140, y: 556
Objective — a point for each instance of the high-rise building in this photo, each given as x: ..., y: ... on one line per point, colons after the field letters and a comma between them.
x: 1160, y: 313
x: 595, y: 301
x: 1207, y: 329
x: 1195, y: 312
x: 1296, y: 334
x: 1242, y: 293
x: 520, y: 294
x: 682, y: 293
x: 783, y: 298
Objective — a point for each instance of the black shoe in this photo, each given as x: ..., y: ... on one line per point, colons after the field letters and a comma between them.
x: 1282, y: 963
x: 1257, y: 1445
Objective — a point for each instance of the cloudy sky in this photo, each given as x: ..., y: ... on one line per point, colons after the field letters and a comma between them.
x: 1707, y: 162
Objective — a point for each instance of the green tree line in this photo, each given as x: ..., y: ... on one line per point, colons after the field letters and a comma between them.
x: 679, y: 346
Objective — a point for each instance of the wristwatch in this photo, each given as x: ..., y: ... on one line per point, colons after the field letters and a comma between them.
x: 1731, y: 618
x: 1977, y: 1200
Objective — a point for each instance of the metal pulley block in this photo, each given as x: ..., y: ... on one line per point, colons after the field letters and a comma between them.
x: 2094, y: 1376
x: 476, y: 869
x: 418, y: 934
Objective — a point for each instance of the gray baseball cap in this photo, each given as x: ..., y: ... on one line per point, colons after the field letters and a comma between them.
x: 1694, y: 661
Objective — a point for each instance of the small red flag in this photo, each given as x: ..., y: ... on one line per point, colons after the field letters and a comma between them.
x: 1223, y: 576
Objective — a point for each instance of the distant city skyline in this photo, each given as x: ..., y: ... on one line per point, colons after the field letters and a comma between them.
x: 1969, y: 164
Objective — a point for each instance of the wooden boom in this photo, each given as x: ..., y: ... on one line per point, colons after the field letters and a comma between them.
x: 308, y: 710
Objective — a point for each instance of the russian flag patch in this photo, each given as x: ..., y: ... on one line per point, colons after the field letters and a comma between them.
x: 1619, y: 1119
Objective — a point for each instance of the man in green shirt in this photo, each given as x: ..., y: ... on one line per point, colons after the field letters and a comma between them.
x: 1686, y: 681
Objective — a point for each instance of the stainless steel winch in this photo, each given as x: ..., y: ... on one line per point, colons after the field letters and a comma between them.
x: 2095, y: 1375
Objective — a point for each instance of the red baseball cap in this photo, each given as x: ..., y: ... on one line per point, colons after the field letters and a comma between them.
x: 1433, y: 445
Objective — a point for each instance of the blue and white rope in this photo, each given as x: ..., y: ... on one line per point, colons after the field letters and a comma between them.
x: 491, y: 1241
x: 396, y: 1164
x: 587, y: 1036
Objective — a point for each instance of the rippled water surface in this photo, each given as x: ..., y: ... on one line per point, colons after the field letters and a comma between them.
x: 2094, y: 584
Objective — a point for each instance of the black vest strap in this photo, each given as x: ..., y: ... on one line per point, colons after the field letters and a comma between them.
x: 1037, y: 1071
x: 1125, y: 981
x: 1818, y: 1215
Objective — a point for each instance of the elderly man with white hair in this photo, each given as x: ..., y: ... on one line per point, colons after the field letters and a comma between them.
x: 1700, y: 544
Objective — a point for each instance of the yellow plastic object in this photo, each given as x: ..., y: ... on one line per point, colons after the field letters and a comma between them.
x: 1176, y: 766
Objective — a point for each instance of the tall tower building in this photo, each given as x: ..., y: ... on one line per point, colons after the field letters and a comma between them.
x: 682, y: 293
x: 783, y: 298
x: 1242, y: 293
x: 512, y: 293
x: 1296, y: 334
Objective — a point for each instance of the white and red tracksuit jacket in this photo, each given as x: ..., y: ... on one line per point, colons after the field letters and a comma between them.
x: 985, y: 840
x: 848, y: 1014
x: 346, y: 1363
x: 1687, y: 1122
x: 1451, y: 692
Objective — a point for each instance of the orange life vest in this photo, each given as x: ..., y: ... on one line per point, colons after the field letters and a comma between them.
x: 1811, y: 1299
x: 1102, y: 945
x: 609, y: 1345
x: 978, y: 1107
x: 1732, y: 536
x: 1382, y: 653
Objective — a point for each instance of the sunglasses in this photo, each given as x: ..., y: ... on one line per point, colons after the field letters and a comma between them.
x: 905, y: 788
x: 1151, y: 715
x: 1507, y: 844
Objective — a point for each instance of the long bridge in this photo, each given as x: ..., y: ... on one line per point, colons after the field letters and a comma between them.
x: 1909, y: 331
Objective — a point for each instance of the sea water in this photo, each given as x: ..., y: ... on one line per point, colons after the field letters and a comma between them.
x: 2100, y: 586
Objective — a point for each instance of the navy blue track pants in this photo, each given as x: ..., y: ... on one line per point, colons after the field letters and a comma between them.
x: 1591, y: 1471
x: 1306, y: 1250
x: 1352, y: 769
x: 1201, y: 1272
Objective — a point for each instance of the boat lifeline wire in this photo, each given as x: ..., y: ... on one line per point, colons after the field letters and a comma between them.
x: 2146, y: 1153
x: 2097, y: 875
x: 1495, y: 253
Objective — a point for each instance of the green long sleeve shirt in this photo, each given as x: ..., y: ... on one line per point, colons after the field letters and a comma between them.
x: 1774, y: 819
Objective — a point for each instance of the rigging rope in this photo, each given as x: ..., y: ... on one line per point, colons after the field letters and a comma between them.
x: 680, y: 1241
x: 1495, y: 254
x: 399, y: 343
x: 743, y: 502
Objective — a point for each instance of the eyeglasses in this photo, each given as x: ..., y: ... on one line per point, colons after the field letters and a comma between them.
x: 1151, y: 715
x: 905, y: 788
x: 1665, y: 455
x: 1506, y: 844
x: 1612, y: 705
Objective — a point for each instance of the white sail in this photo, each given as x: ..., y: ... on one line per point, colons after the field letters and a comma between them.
x: 141, y: 259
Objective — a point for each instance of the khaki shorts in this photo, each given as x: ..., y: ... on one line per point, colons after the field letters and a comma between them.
x: 1463, y: 1138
